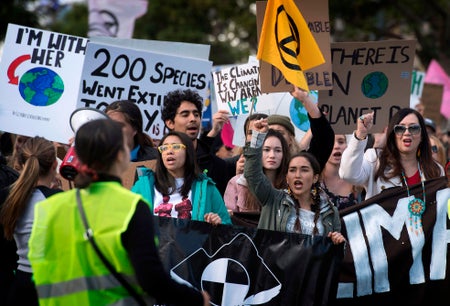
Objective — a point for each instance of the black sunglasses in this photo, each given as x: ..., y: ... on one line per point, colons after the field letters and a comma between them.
x: 401, y: 129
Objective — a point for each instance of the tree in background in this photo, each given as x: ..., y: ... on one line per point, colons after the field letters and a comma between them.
x: 427, y: 21
x: 15, y: 11
x: 230, y: 26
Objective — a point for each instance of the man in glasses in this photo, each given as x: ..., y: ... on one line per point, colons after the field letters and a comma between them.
x: 182, y: 112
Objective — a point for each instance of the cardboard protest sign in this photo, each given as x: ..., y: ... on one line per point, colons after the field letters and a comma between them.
x: 113, y: 73
x: 437, y: 75
x: 432, y: 99
x: 39, y: 77
x: 368, y: 77
x: 316, y: 15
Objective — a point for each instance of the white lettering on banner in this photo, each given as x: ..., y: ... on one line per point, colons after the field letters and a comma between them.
x: 371, y: 256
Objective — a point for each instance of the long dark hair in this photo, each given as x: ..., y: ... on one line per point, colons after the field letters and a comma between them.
x: 36, y: 158
x: 251, y: 201
x: 133, y: 116
x: 390, y: 155
x: 97, y: 144
x: 316, y: 190
x: 280, y: 177
x: 164, y: 182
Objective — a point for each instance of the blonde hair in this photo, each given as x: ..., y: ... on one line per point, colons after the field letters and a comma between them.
x: 36, y: 158
x: 441, y: 157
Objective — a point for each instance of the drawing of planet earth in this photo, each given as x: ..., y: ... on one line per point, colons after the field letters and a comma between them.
x: 41, y: 86
x: 374, y: 85
x: 298, y: 113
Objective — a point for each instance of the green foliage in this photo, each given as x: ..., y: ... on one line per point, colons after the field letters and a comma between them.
x: 74, y: 22
x: 426, y: 21
x: 230, y: 26
x: 14, y: 11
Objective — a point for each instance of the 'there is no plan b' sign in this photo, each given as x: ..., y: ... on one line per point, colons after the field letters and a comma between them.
x: 372, y: 76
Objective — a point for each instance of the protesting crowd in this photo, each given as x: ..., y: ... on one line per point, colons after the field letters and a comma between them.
x: 285, y: 185
x: 147, y: 205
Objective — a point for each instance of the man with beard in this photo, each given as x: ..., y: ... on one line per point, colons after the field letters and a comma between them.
x: 182, y: 112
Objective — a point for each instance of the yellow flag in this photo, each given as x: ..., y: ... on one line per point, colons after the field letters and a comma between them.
x: 287, y: 43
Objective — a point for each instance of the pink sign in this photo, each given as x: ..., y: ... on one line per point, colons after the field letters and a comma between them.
x: 436, y: 75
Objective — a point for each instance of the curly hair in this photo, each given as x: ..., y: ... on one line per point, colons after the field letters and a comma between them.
x: 173, y: 99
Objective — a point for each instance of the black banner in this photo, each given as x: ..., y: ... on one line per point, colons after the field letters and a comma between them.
x: 391, y: 258
x: 245, y: 266
x: 394, y: 257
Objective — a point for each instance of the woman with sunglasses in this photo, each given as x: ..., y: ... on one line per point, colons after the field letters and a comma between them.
x: 177, y: 188
x: 404, y: 159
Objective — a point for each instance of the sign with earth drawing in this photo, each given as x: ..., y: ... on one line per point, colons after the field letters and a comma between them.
x: 368, y: 77
x: 39, y: 77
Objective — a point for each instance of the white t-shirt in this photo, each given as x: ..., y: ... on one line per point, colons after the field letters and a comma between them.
x: 306, y: 222
x: 173, y: 199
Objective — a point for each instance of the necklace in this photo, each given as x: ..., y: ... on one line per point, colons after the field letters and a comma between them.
x: 416, y: 206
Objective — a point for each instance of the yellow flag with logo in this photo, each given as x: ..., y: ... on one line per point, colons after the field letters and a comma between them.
x: 287, y: 43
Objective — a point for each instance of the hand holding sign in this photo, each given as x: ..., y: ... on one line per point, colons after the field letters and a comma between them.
x: 218, y: 120
x: 303, y: 96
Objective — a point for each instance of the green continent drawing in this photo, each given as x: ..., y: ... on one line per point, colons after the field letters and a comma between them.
x: 374, y: 85
x: 41, y: 86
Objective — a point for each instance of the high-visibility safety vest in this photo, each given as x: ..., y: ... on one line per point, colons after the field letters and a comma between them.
x: 66, y: 268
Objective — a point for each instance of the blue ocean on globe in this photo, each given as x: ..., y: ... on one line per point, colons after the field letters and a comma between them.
x: 299, y: 115
x: 374, y: 85
x: 41, y: 86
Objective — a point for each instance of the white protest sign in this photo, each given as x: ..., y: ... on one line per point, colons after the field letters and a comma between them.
x: 113, y: 73
x: 183, y: 49
x: 39, y: 78
x: 235, y: 86
x: 417, y: 81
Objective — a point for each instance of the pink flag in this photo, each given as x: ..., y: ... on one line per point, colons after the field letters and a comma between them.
x: 437, y: 75
x: 114, y: 18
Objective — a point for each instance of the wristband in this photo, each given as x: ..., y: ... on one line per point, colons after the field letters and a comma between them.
x: 359, y: 138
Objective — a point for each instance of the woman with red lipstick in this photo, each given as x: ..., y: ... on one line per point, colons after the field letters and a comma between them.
x: 301, y: 208
x: 178, y: 188
x: 405, y: 159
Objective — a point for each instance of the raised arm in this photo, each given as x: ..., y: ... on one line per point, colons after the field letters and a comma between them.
x: 322, y: 134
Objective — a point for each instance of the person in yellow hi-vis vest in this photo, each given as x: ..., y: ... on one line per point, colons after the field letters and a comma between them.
x: 74, y: 229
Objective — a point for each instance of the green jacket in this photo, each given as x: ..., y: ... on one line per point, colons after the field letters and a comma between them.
x: 277, y: 204
x: 66, y: 268
x: 205, y: 196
